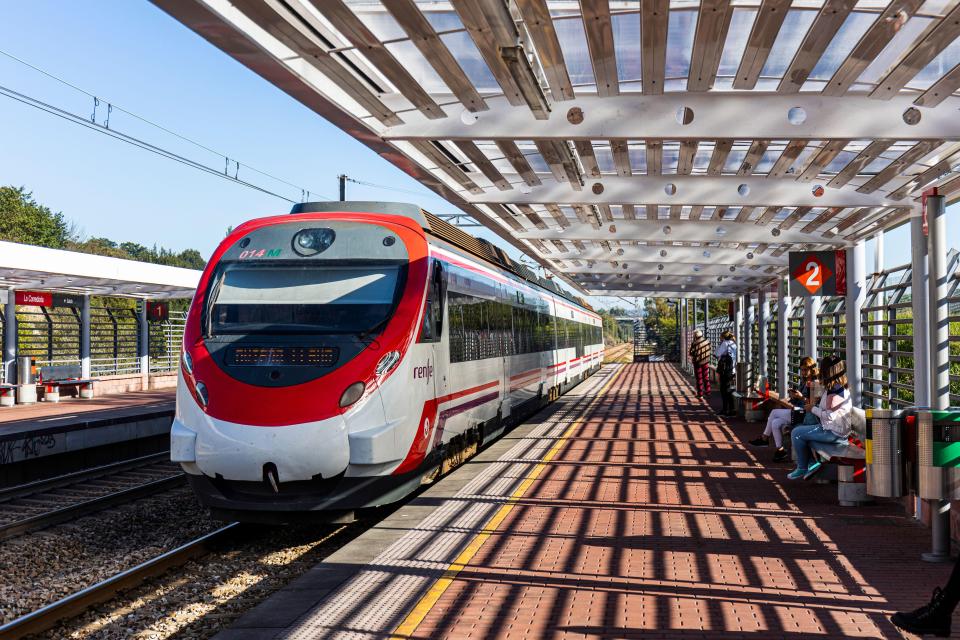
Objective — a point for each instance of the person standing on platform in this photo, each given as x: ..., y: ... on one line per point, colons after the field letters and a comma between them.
x: 726, y: 366
x: 699, y: 353
x: 935, y: 617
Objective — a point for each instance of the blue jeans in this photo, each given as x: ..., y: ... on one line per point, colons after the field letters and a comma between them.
x: 802, y: 434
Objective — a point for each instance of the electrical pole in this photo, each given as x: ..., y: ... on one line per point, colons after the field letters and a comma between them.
x: 343, y: 186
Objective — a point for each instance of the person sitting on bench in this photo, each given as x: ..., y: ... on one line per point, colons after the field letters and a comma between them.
x: 780, y: 419
x: 833, y: 410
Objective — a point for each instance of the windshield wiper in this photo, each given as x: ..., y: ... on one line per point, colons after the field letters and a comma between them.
x: 363, y: 335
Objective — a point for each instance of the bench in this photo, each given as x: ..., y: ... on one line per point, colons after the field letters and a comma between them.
x: 64, y: 376
x: 851, y: 460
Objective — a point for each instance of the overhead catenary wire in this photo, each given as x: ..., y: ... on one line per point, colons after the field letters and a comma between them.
x: 113, y: 133
x: 91, y: 123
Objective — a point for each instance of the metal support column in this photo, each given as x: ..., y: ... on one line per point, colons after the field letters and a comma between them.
x: 85, y: 337
x: 683, y: 334
x: 748, y: 319
x: 811, y: 308
x: 143, y: 344
x: 938, y: 280
x: 738, y: 324
x: 919, y: 289
x: 880, y: 345
x: 783, y: 317
x: 706, y: 315
x: 856, y: 299
x: 762, y: 335
x: 10, y: 339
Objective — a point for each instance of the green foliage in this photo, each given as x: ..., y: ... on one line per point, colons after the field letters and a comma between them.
x: 23, y: 220
x: 614, y: 332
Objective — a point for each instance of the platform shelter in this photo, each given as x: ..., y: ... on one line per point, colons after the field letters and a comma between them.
x: 105, y: 317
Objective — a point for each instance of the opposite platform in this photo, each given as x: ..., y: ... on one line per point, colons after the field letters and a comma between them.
x: 627, y: 510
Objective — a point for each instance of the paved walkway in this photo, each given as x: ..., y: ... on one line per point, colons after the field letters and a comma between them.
x: 42, y: 412
x: 631, y: 511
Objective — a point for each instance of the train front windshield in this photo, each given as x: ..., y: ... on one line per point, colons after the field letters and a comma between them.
x: 318, y: 299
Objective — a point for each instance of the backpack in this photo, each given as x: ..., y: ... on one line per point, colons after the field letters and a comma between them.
x: 725, y: 365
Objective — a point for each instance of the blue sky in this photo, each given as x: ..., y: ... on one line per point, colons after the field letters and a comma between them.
x: 134, y: 55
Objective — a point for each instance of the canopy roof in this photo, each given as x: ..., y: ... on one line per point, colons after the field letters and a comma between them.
x: 24, y: 266
x: 644, y: 147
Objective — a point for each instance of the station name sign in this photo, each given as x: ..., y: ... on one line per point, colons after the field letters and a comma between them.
x: 47, y: 299
x: 818, y: 273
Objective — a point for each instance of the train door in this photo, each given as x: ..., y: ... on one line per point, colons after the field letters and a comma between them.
x: 508, y: 331
x: 433, y: 333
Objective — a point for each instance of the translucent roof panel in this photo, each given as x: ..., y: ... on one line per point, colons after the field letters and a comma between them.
x: 576, y: 55
x: 468, y: 57
x: 680, y: 34
x: 638, y: 157
x: 938, y: 67
x: 795, y: 27
x: 413, y: 61
x: 842, y: 44
x: 604, y: 159
x: 740, y: 23
x: 897, y: 45
x: 626, y: 39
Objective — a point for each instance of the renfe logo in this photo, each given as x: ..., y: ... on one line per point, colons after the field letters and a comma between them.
x: 424, y: 372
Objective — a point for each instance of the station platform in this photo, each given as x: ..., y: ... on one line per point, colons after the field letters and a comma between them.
x: 627, y: 509
x: 74, y: 433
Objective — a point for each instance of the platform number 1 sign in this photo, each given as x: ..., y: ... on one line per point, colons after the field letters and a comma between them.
x: 818, y: 273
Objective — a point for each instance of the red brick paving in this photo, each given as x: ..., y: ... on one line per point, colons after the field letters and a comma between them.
x: 72, y: 406
x: 656, y: 520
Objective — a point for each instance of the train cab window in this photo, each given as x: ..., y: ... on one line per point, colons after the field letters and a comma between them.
x: 281, y: 299
x: 432, y: 328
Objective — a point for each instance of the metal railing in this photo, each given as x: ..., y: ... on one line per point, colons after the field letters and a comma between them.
x: 166, y: 341
x: 772, y: 338
x: 832, y: 328
x: 887, y: 338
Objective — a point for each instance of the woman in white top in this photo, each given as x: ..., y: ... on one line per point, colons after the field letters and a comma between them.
x: 726, y: 365
x: 833, y: 410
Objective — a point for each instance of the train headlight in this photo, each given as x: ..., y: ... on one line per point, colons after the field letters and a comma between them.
x: 388, y: 362
x: 310, y: 242
x: 351, y: 394
x: 187, y: 362
x: 203, y: 396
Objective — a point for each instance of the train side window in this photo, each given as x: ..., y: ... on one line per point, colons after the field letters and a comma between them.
x: 432, y: 327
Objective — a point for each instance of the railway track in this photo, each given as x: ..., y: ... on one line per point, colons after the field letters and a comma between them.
x: 48, y: 616
x: 41, y: 504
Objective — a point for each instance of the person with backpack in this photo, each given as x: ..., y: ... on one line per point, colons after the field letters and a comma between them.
x: 726, y: 362
x: 699, y: 353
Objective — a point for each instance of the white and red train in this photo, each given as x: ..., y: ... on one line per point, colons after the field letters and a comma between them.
x: 335, y: 358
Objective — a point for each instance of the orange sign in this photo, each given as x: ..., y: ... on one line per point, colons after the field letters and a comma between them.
x: 811, y: 274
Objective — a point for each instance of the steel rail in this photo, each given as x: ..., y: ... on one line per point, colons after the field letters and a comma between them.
x: 46, y: 617
x: 67, y: 479
x: 71, y: 512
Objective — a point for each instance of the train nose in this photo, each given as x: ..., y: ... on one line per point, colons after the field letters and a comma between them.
x: 249, y: 453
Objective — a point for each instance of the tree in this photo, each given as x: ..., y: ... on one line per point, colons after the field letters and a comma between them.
x: 23, y: 220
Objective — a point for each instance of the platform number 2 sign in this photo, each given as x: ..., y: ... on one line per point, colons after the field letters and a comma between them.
x: 817, y: 273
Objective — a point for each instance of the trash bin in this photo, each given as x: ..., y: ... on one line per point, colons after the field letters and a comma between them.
x: 884, y: 453
x: 938, y: 453
x: 26, y: 385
